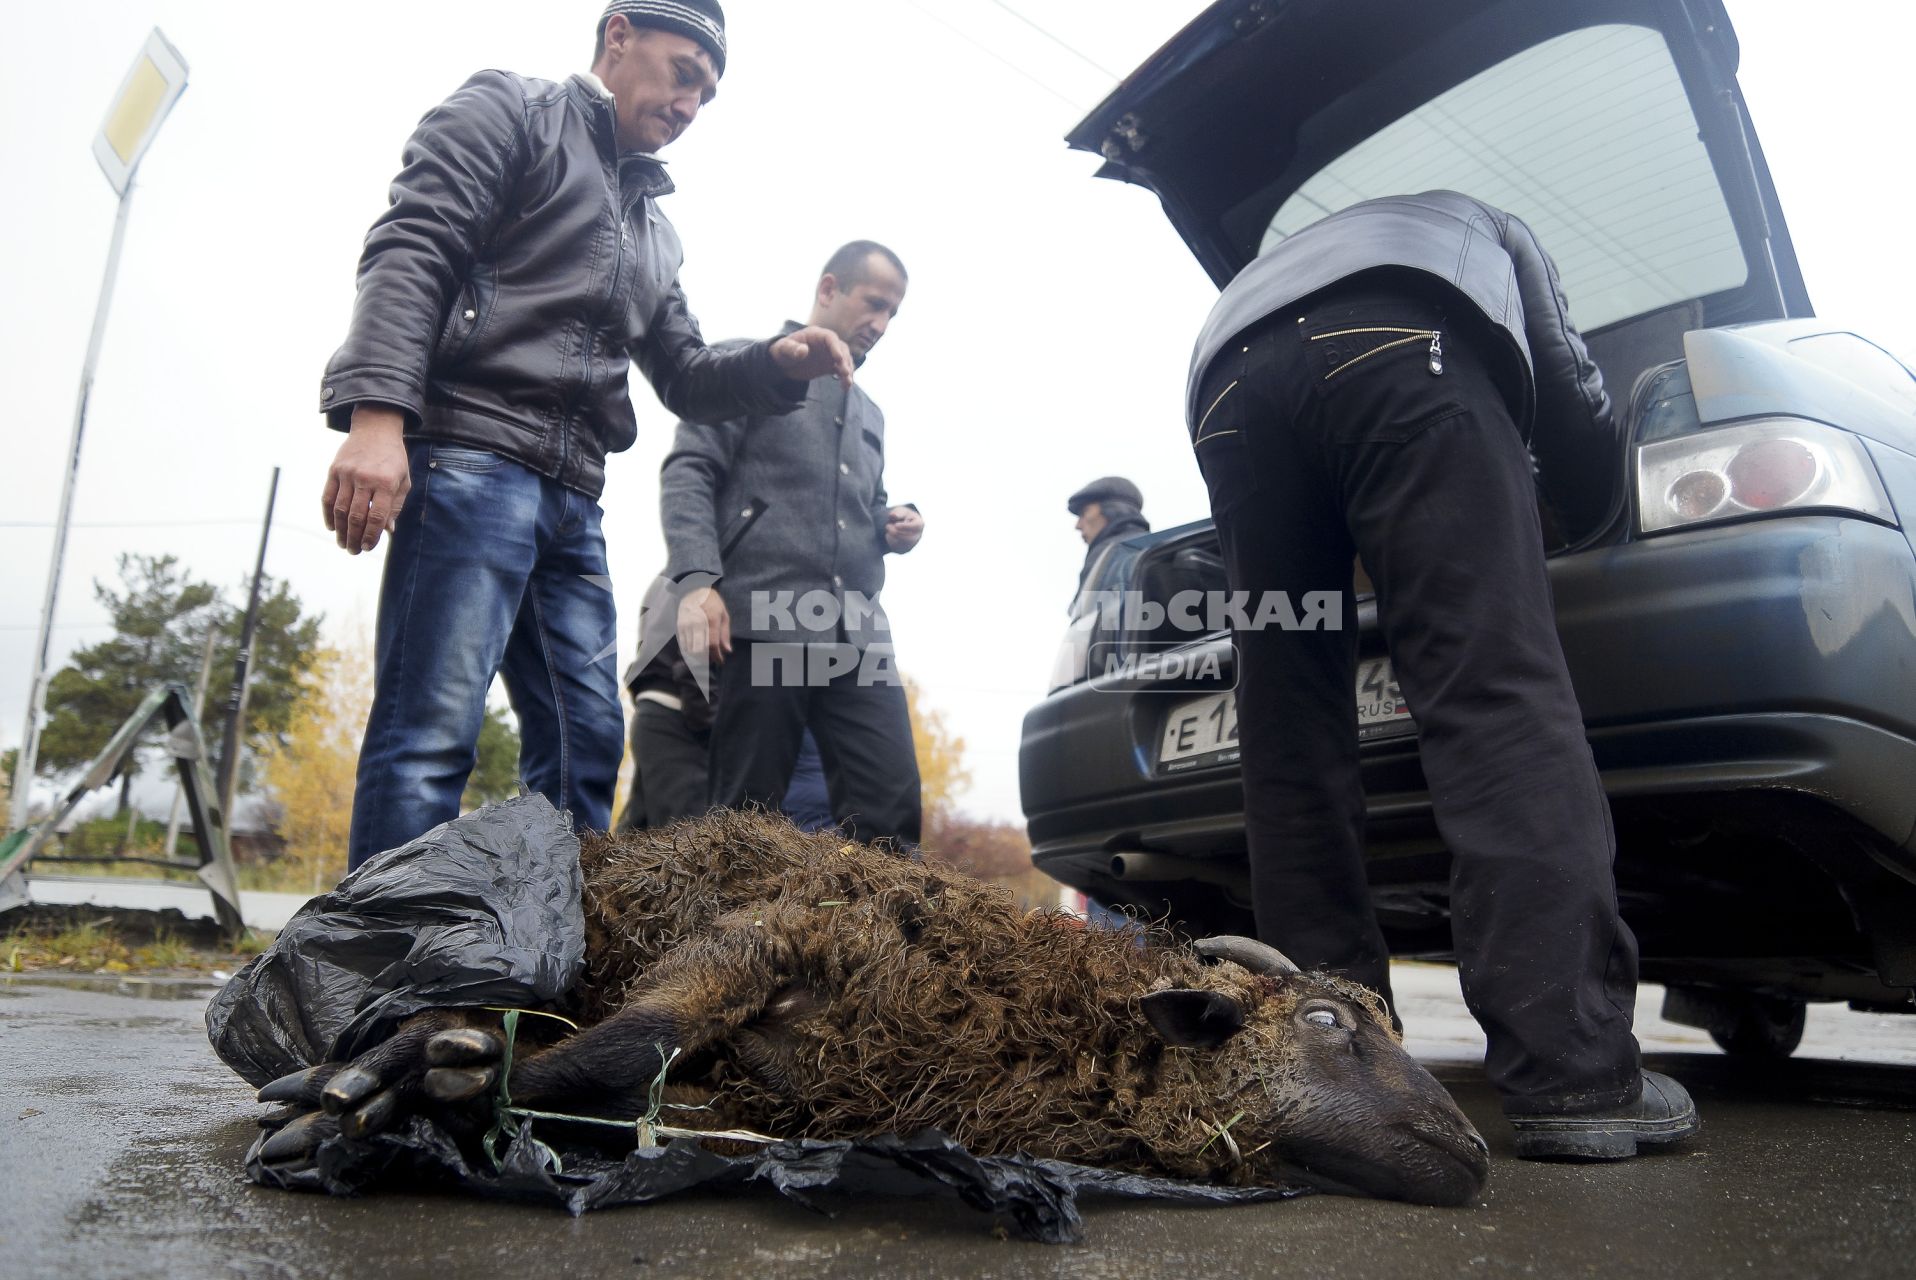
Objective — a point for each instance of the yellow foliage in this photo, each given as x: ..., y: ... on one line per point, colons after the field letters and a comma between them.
x: 311, y: 775
x: 942, y: 775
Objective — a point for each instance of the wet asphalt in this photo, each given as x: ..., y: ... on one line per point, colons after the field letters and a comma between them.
x: 121, y: 1139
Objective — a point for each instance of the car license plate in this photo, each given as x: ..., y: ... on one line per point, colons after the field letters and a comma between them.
x: 1381, y: 710
x: 1201, y: 732
x: 1198, y: 733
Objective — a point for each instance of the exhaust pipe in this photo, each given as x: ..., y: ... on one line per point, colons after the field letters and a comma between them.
x: 1162, y: 868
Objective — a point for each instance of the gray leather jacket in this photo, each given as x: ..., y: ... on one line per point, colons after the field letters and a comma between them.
x: 1487, y: 255
x: 522, y: 264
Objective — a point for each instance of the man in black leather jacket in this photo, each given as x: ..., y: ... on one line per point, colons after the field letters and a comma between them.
x: 1368, y: 386
x: 522, y: 263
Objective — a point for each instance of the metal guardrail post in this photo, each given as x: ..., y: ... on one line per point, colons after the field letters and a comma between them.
x: 215, y: 866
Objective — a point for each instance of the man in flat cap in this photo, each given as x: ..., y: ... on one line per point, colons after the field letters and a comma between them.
x: 522, y: 263
x: 1108, y: 508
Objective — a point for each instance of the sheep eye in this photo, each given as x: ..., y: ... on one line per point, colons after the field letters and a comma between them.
x: 1321, y: 1018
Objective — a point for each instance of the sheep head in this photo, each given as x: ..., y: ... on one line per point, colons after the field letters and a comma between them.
x: 1321, y: 1087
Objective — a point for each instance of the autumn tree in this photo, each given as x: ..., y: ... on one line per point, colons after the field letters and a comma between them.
x: 310, y: 769
x: 990, y: 850
x: 993, y: 850
x: 942, y: 775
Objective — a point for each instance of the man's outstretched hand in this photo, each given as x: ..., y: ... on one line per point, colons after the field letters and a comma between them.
x: 813, y: 352
x: 369, y: 479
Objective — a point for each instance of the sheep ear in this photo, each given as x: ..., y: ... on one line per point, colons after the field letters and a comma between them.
x: 1194, y: 1019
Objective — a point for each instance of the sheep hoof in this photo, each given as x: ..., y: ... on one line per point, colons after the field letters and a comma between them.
x: 463, y: 1047
x: 372, y: 1115
x: 459, y: 1084
x: 299, y: 1138
x: 349, y: 1088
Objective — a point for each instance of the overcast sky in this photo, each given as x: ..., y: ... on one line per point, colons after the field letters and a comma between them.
x: 1043, y: 342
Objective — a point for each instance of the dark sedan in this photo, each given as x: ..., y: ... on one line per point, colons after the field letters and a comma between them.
x: 1734, y: 582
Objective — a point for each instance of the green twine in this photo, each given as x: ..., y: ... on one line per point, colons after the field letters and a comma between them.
x: 512, y: 1122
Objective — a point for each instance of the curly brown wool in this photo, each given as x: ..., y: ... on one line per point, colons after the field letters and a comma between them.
x: 921, y: 997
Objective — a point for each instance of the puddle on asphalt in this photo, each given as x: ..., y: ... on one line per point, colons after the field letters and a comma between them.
x: 128, y: 985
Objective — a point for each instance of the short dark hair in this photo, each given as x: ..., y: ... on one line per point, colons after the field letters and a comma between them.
x: 848, y: 264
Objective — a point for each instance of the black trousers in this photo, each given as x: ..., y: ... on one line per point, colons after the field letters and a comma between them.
x: 669, y: 762
x: 1368, y: 420
x: 864, y: 737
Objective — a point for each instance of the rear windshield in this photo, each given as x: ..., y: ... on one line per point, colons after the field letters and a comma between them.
x: 1587, y: 137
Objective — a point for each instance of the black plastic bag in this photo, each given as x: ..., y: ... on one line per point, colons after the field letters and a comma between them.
x: 1037, y: 1198
x: 484, y: 910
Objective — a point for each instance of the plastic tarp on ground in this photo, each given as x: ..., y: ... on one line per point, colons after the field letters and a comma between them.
x: 1037, y: 1198
x: 486, y: 911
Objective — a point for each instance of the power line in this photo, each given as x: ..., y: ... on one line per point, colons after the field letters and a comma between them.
x: 279, y: 526
x: 123, y: 524
x: 58, y: 626
x: 992, y: 53
x: 1066, y: 45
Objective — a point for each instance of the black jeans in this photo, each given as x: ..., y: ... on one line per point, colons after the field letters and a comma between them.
x: 863, y: 730
x: 1366, y: 421
x: 669, y: 763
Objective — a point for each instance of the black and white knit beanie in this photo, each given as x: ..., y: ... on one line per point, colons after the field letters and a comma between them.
x: 699, y: 20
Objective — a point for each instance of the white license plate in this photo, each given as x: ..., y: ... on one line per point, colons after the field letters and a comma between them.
x: 1199, y: 732
x: 1381, y: 712
x: 1203, y: 731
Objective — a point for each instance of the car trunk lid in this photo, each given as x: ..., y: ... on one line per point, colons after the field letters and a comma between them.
x: 1614, y: 127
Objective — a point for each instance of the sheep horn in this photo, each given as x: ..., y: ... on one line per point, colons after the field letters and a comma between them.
x: 1256, y: 956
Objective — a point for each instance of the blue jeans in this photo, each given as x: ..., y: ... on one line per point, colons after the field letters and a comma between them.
x: 493, y: 570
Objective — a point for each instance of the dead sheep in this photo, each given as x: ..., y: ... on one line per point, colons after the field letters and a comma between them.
x: 802, y: 986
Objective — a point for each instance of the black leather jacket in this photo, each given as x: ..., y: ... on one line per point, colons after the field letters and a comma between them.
x: 522, y: 264
x: 1127, y: 524
x: 1487, y: 255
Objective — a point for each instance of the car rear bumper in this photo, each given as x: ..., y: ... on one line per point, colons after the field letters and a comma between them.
x: 1771, y: 656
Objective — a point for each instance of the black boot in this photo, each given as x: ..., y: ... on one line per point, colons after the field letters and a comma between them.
x: 1664, y: 1113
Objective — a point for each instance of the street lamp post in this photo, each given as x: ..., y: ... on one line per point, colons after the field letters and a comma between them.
x: 152, y: 85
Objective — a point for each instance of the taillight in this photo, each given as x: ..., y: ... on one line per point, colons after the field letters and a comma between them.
x: 1755, y: 468
x: 1771, y: 474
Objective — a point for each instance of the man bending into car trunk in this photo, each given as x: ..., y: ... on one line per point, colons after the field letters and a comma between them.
x: 1367, y: 387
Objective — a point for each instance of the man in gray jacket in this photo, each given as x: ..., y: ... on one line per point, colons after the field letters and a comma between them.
x: 789, y: 512
x: 522, y: 265
x: 1368, y: 386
